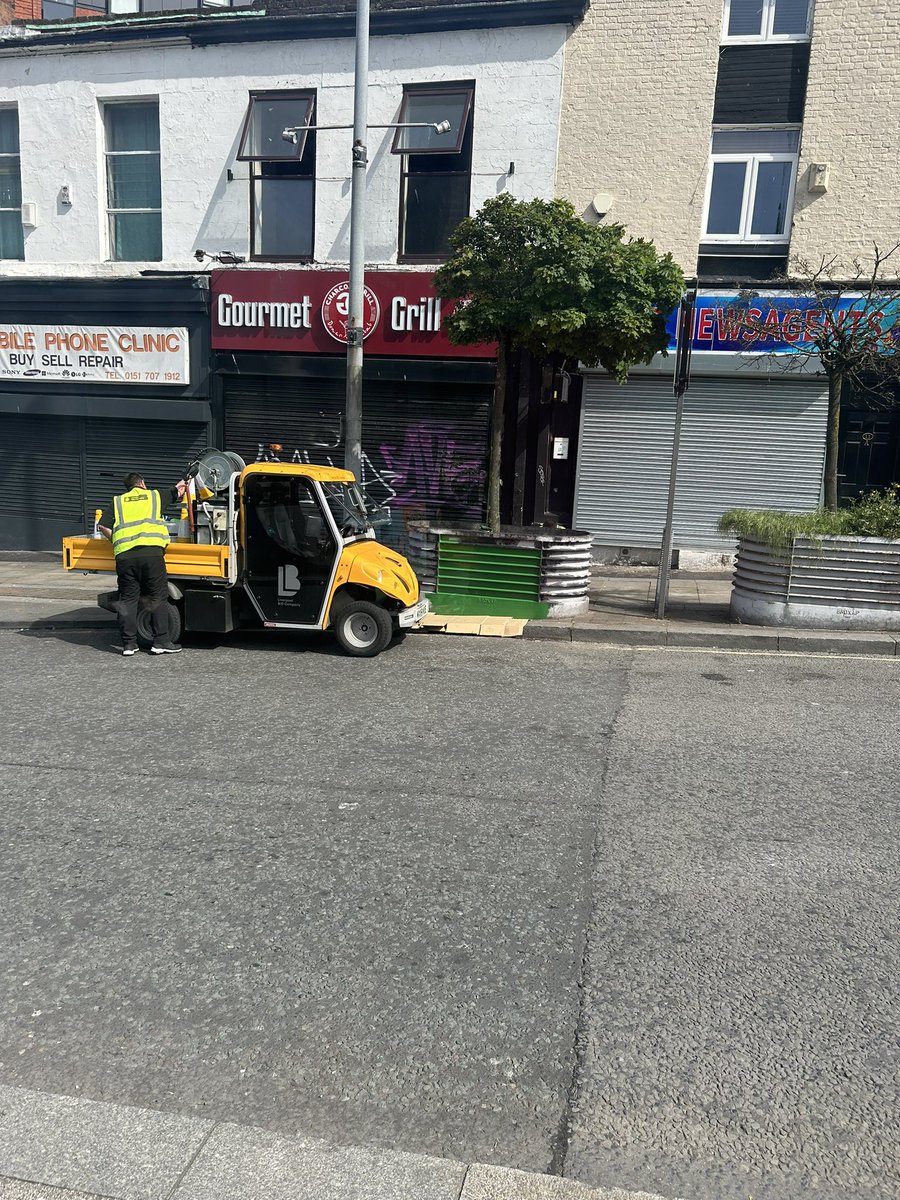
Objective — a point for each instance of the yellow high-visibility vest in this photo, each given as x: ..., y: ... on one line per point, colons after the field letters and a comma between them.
x: 138, y: 521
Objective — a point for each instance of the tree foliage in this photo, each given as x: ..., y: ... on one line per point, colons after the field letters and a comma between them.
x: 533, y: 275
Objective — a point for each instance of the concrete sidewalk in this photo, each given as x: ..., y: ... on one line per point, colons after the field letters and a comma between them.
x: 697, y: 616
x: 65, y: 1148
x: 35, y: 593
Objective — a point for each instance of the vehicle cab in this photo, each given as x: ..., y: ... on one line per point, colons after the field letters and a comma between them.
x: 308, y: 558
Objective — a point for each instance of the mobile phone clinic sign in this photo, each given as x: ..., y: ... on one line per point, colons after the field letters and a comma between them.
x: 778, y: 324
x: 107, y: 354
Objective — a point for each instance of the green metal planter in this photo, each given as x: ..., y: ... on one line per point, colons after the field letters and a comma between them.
x: 526, y: 573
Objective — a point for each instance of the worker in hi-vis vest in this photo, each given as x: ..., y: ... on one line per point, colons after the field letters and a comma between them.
x: 139, y: 538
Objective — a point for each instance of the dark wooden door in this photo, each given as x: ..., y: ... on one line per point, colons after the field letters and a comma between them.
x: 868, y: 452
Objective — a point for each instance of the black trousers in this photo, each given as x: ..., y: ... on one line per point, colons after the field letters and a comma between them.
x: 143, y: 579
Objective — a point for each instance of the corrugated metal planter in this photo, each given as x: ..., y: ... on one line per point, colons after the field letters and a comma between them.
x: 545, y: 571
x: 832, y: 583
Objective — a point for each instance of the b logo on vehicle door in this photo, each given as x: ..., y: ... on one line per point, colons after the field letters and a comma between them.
x: 288, y: 581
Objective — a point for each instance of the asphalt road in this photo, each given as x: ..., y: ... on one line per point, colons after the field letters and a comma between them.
x: 632, y: 916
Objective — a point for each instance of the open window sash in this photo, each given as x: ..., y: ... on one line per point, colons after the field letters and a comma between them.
x: 428, y: 107
x: 268, y: 115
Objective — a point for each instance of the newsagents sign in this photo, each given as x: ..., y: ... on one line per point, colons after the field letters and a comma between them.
x: 299, y: 311
x: 101, y: 354
x: 776, y: 324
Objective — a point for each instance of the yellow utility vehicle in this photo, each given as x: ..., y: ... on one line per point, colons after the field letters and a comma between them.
x: 277, y: 546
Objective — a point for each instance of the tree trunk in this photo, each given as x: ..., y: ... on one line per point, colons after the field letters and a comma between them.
x: 498, y: 413
x: 832, y: 439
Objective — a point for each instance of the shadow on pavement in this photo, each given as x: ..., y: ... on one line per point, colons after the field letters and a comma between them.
x: 106, y: 640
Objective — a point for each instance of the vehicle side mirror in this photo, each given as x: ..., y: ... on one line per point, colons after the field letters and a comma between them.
x: 378, y: 517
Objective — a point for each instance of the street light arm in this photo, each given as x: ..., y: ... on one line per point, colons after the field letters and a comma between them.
x: 291, y: 134
x: 438, y: 126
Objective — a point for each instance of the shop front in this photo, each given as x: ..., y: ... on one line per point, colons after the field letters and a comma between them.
x: 279, y: 354
x: 753, y: 437
x: 97, y: 378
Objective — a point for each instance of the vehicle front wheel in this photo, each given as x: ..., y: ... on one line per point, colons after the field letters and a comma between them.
x: 145, y: 625
x: 363, y: 629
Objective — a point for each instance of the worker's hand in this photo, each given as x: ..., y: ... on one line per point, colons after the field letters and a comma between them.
x: 181, y: 487
x: 106, y: 531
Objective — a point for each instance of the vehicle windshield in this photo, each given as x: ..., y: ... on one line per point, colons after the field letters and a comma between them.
x: 347, y: 507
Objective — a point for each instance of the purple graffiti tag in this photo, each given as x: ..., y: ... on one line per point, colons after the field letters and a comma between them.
x: 436, y: 469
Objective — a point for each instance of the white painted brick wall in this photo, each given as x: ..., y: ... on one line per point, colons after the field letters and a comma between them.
x: 203, y: 99
x: 852, y: 121
x: 637, y: 111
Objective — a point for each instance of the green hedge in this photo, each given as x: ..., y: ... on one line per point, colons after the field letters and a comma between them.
x: 876, y: 514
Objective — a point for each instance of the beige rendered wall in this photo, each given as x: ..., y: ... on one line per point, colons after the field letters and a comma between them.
x: 637, y: 111
x: 852, y: 121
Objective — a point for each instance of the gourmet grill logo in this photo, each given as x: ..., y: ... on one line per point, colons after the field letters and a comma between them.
x: 336, y: 308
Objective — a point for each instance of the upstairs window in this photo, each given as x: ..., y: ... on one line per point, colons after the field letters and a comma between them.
x: 61, y: 10
x: 58, y: 10
x: 436, y: 169
x: 133, y: 188
x: 12, y: 240
x: 750, y: 191
x: 766, y: 20
x: 282, y: 175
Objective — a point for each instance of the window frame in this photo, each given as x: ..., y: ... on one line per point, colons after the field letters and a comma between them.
x: 405, y: 155
x: 753, y: 159
x: 295, y: 153
x: 16, y: 208
x: 106, y: 105
x: 428, y: 89
x: 765, y: 34
x: 255, y: 172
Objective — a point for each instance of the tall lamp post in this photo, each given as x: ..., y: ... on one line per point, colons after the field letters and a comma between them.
x: 682, y: 379
x: 353, y: 402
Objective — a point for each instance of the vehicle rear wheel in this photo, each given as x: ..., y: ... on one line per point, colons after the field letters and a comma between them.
x: 145, y: 626
x: 363, y: 629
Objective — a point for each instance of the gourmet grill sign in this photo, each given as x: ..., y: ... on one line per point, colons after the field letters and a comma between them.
x: 107, y: 354
x: 302, y: 310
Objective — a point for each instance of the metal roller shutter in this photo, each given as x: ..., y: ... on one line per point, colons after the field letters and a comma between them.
x: 40, y: 480
x: 159, y: 449
x: 299, y: 414
x: 55, y: 470
x: 424, y: 444
x: 745, y: 443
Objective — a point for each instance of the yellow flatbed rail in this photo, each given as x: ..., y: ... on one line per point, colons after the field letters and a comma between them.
x: 183, y: 559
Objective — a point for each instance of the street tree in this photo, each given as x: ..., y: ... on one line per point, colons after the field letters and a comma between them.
x: 532, y: 275
x: 849, y: 323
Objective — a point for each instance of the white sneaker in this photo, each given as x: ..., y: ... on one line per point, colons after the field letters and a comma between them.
x: 127, y: 651
x: 165, y: 650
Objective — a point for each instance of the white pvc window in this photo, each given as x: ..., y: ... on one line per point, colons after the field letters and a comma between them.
x: 750, y: 191
x: 766, y: 20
